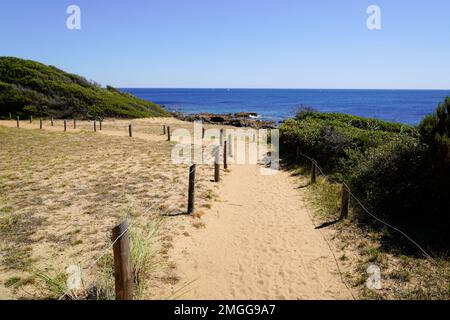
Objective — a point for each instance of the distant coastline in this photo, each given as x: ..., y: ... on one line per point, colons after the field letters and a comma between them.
x: 404, y: 106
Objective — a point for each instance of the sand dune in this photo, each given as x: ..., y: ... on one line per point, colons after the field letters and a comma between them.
x: 258, y: 242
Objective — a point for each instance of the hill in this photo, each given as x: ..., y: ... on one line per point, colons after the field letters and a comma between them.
x: 32, y: 88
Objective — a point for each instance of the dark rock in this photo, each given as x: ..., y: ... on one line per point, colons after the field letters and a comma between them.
x: 241, y: 119
x: 245, y: 114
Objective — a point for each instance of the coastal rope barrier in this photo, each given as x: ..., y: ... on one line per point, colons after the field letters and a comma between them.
x: 147, y: 210
x: 314, y: 163
x: 107, y: 249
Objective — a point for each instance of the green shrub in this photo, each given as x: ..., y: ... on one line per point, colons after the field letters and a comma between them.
x: 334, y: 139
x: 53, y: 92
x: 389, y: 178
x: 435, y: 131
x: 401, y: 173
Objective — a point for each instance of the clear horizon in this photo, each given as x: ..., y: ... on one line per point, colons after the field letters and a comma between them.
x: 231, y: 88
x: 264, y: 44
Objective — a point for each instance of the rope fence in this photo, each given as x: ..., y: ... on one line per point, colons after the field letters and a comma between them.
x: 346, y: 192
x: 120, y: 243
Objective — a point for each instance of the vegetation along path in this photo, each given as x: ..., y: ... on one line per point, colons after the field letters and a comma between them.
x: 259, y: 243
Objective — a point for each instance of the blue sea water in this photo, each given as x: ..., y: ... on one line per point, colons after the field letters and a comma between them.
x: 405, y: 106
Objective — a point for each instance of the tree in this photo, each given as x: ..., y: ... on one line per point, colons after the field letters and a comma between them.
x: 435, y: 131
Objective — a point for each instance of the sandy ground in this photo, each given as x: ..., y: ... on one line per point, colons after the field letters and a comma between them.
x: 259, y: 243
x: 62, y: 192
x: 256, y: 241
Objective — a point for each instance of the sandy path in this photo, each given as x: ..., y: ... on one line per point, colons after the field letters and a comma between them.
x: 259, y: 243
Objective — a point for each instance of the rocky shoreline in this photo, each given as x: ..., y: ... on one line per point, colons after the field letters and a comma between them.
x: 240, y: 119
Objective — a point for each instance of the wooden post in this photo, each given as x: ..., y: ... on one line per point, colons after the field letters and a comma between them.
x: 203, y: 133
x: 95, y: 125
x: 164, y: 130
x: 313, y: 172
x: 18, y: 119
x: 168, y: 133
x: 31, y: 119
x: 191, y: 192
x: 40, y: 123
x: 101, y: 125
x: 65, y: 125
x: 225, y: 164
x: 74, y: 123
x: 216, y: 164
x: 122, y: 262
x: 130, y: 131
x: 52, y: 121
x: 221, y: 137
x: 10, y: 116
x: 344, y: 202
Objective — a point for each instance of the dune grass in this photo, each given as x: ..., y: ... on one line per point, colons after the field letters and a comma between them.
x: 61, y: 194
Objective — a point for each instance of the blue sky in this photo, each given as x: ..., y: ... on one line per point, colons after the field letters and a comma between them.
x: 236, y: 44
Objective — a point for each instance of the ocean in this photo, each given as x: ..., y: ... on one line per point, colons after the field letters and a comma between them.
x: 405, y: 106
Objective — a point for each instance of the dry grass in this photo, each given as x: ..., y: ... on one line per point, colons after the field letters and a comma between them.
x: 357, y: 247
x: 61, y: 193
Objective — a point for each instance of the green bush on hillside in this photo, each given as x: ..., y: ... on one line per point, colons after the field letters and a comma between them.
x: 389, y: 179
x: 333, y: 139
x: 399, y: 172
x: 435, y: 131
x: 53, y: 92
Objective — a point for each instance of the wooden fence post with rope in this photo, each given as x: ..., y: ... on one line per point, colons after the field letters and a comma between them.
x: 191, y: 191
x: 122, y: 262
x: 225, y: 163
x: 313, y: 172
x: 344, y: 202
x: 216, y: 164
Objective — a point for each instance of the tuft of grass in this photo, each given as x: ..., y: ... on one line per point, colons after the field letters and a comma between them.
x: 198, y: 214
x: 17, y: 258
x: 207, y: 205
x: 7, y: 221
x: 199, y: 225
x: 10, y: 282
x: 327, y: 197
x: 77, y: 242
x: 343, y: 257
x: 143, y: 258
x: 209, y: 195
x: 401, y: 274
x: 18, y: 282
x: 6, y: 209
x: 375, y: 255
x: 54, y: 284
